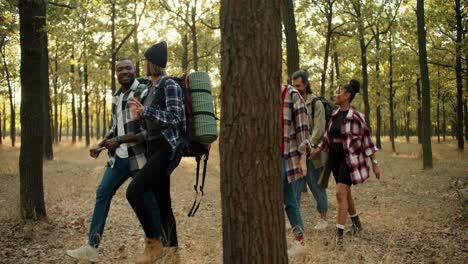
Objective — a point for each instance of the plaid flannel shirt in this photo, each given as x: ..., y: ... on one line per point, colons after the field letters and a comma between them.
x: 358, y: 145
x: 136, y: 152
x: 172, y: 118
x: 295, y: 132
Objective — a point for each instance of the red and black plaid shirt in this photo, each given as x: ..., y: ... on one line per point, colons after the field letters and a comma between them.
x: 357, y: 144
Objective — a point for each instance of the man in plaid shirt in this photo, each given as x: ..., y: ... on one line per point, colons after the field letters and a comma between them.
x: 295, y: 146
x: 125, y: 159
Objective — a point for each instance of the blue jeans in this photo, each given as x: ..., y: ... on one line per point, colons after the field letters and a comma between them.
x: 111, y: 181
x: 291, y: 204
x: 319, y: 194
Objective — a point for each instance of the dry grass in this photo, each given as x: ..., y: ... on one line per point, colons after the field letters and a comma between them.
x: 410, y: 216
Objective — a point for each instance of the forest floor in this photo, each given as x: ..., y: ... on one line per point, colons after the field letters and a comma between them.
x: 409, y: 216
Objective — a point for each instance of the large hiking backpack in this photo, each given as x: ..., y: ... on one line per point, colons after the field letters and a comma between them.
x: 328, y: 106
x: 200, y: 124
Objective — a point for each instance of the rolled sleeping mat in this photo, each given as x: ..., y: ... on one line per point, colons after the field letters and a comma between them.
x: 204, y: 127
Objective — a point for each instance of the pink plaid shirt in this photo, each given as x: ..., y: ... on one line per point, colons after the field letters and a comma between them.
x: 358, y: 145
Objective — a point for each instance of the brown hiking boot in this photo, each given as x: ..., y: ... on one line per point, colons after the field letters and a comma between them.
x: 153, y: 251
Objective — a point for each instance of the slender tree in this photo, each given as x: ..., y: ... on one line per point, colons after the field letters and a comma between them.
x: 34, y: 82
x: 391, y: 93
x: 252, y: 211
x: 10, y: 97
x: 292, y: 48
x: 458, y: 71
x: 426, y: 92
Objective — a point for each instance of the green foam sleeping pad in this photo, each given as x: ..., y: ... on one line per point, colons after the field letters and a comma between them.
x: 204, y: 127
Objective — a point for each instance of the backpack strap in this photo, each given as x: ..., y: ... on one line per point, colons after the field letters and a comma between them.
x: 312, y: 105
x: 196, y: 205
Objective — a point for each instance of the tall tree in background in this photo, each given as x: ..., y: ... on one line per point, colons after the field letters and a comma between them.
x: 391, y: 92
x: 426, y: 91
x: 34, y: 81
x: 458, y: 71
x: 292, y: 48
x: 252, y: 211
x: 10, y: 94
x: 48, y: 140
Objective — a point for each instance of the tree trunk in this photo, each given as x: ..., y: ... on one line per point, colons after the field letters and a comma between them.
x: 98, y: 117
x: 426, y: 92
x: 292, y: 49
x: 365, y: 75
x: 458, y: 71
x: 378, y: 110
x: 113, y: 47
x: 73, y: 118
x: 56, y: 127
x: 252, y: 211
x: 61, y: 116
x: 337, y: 65
x: 408, y: 115
x: 136, y: 48
x: 193, y: 29
x: 418, y: 94
x: 34, y: 82
x: 87, y: 136
x: 104, y: 115
x: 466, y: 119
x: 391, y: 93
x: 438, y: 106
x: 1, y: 131
x: 332, y: 78
x: 185, y: 53
x: 444, y: 119
x: 48, y: 151
x: 10, y: 96
x: 80, y: 109
x: 329, y: 17
x: 4, y: 120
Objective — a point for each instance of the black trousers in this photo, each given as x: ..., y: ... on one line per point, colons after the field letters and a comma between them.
x: 155, y: 177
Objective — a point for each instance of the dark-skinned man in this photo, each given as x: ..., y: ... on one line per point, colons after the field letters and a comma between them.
x: 125, y: 159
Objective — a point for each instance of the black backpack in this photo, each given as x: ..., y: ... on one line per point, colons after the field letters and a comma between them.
x: 327, y: 105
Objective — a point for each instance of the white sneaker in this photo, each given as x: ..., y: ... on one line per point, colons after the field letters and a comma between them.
x: 321, y: 225
x: 297, y: 248
x: 85, y: 252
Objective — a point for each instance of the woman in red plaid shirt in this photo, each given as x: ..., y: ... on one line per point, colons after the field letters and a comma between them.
x: 349, y: 143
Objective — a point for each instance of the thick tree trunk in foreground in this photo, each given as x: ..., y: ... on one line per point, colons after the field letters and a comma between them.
x: 253, y: 217
x: 33, y: 41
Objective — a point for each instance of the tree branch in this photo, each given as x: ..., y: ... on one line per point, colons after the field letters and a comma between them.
x: 61, y: 5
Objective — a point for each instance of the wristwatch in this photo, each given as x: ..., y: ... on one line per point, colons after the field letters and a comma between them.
x: 375, y: 161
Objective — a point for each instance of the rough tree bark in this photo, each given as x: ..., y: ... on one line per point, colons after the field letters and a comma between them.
x: 252, y: 211
x: 426, y: 92
x: 33, y: 42
x: 458, y: 71
x: 292, y: 48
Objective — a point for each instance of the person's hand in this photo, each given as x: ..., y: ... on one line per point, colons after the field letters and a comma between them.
x: 376, y: 170
x: 111, y: 144
x: 95, y: 151
x: 303, y: 164
x: 136, y: 108
x: 314, y: 152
